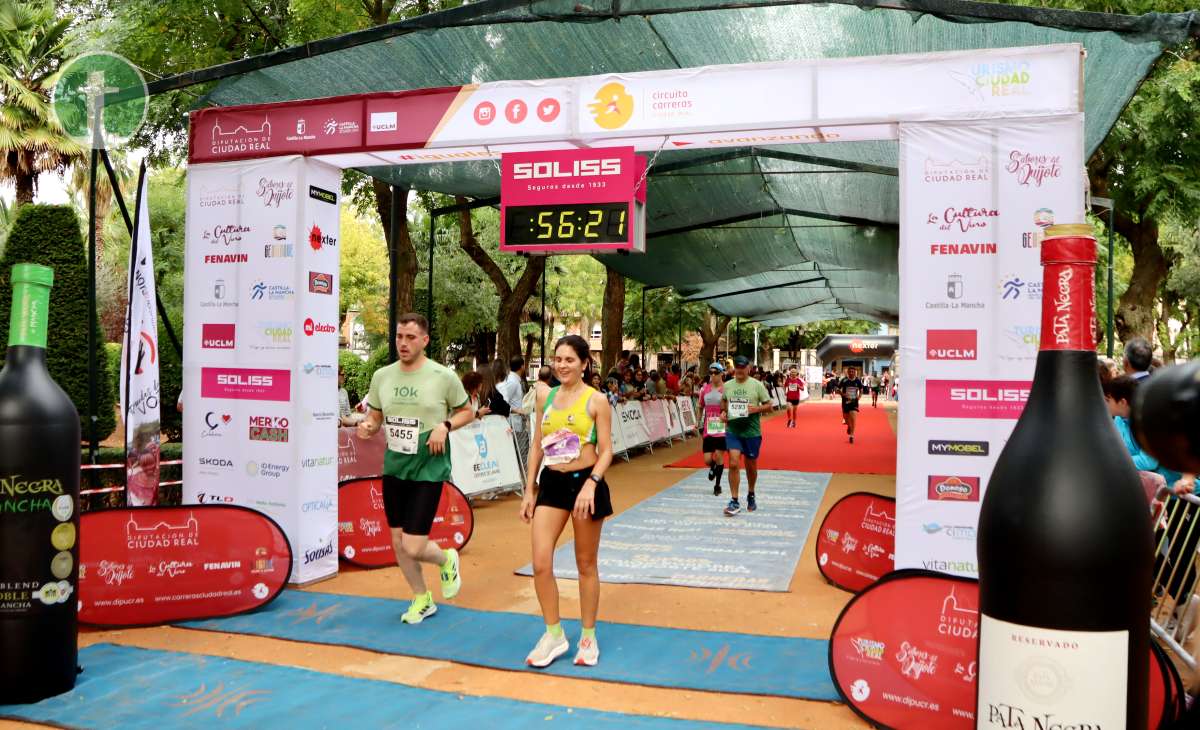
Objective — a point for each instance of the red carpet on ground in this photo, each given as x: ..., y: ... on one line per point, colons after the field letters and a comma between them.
x: 818, y: 443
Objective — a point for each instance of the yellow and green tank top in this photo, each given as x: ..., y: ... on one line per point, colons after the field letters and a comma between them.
x: 574, y: 418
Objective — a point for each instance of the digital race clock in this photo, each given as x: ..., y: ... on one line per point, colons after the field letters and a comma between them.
x: 572, y: 201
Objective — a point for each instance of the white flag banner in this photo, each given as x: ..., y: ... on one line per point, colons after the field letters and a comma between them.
x: 139, y: 363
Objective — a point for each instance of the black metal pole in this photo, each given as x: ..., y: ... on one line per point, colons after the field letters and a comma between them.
x: 429, y: 304
x: 93, y: 404
x: 679, y: 318
x: 545, y: 273
x: 643, y: 325
x: 1111, y: 208
x: 393, y: 271
x: 737, y: 331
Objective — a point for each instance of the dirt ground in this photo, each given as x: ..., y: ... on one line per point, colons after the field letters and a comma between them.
x: 500, y: 544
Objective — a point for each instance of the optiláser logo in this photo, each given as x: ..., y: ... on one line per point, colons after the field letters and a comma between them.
x: 613, y: 106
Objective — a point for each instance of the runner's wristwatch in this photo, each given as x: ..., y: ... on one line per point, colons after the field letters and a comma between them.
x: 596, y: 478
x: 448, y: 425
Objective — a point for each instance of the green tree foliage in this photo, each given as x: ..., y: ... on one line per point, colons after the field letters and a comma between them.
x: 33, y: 45
x: 49, y: 235
x: 364, y: 273
x: 354, y: 367
x: 665, y: 313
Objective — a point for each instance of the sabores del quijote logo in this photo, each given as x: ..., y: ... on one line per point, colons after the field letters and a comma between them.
x: 274, y: 193
x: 1033, y: 167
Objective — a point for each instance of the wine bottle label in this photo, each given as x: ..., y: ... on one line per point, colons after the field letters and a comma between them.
x: 1068, y: 293
x: 29, y: 316
x: 1031, y: 677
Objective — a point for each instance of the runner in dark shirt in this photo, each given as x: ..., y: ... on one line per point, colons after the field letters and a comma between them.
x: 851, y: 387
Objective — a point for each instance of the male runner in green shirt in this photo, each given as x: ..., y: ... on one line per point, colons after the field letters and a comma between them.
x: 744, y: 399
x: 418, y: 403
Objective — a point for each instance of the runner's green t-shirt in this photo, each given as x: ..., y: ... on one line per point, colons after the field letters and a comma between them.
x: 427, y: 395
x: 752, y: 393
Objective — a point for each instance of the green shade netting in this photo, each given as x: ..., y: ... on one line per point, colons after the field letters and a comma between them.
x: 786, y: 199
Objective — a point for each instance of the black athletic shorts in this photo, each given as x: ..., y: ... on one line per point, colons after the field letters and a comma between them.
x: 793, y: 401
x: 713, y: 443
x: 409, y: 505
x: 560, y: 489
x: 848, y: 406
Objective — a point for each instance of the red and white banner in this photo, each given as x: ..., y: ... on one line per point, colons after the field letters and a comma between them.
x: 654, y: 412
x: 974, y: 198
x: 363, y: 533
x: 857, y: 541
x: 260, y: 352
x: 139, y: 363
x: 155, y: 565
x: 903, y: 654
x: 792, y: 102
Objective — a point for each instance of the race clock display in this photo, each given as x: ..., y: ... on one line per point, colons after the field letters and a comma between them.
x: 567, y: 224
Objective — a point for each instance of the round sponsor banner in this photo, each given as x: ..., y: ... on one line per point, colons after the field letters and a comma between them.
x: 363, y: 535
x: 856, y: 544
x: 903, y: 654
x: 152, y: 565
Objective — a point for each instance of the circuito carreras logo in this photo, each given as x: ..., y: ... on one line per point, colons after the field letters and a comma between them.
x: 613, y: 106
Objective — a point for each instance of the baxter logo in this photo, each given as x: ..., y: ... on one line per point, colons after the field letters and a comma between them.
x: 312, y: 327
x: 218, y: 336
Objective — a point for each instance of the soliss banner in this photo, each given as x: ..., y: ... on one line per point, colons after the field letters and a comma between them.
x: 260, y: 350
x: 160, y: 564
x: 975, y: 199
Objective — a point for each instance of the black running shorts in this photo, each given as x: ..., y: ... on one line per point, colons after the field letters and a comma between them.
x: 848, y: 406
x: 560, y: 489
x: 713, y: 443
x: 409, y: 505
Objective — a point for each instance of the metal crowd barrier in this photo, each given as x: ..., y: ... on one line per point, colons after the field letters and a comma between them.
x: 1176, y: 603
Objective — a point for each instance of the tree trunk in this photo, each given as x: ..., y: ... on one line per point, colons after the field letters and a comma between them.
x: 24, y: 184
x: 611, y: 320
x: 711, y: 328
x: 404, y: 253
x: 512, y: 298
x: 1135, y: 314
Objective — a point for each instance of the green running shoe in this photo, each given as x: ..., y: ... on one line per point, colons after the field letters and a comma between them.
x: 421, y: 608
x: 451, y: 577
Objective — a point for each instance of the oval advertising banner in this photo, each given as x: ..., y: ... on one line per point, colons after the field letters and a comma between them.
x: 363, y: 534
x: 903, y: 654
x: 153, y: 565
x: 359, y: 458
x: 856, y: 544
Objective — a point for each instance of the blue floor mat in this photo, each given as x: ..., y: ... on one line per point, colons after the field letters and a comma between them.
x: 143, y: 689
x: 643, y: 655
x: 681, y: 536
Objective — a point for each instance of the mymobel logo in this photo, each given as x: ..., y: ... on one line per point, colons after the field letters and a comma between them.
x: 323, y: 195
x: 578, y: 168
x: 958, y: 448
x: 218, y: 336
x: 312, y: 327
x: 99, y: 100
x: 951, y: 344
x: 613, y: 106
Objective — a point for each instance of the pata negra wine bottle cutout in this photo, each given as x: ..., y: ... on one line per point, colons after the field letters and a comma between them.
x: 1064, y: 538
x: 39, y: 505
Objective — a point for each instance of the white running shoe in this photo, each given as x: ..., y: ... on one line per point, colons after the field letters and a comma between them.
x: 588, y: 654
x: 547, y: 650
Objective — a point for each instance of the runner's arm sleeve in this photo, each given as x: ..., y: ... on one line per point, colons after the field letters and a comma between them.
x: 373, y: 399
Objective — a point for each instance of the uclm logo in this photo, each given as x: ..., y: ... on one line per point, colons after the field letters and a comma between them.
x: 578, y: 168
x: 990, y: 399
x: 951, y: 344
x: 218, y: 336
x: 246, y: 384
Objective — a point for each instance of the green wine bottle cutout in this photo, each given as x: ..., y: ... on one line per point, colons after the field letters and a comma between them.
x: 39, y: 505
